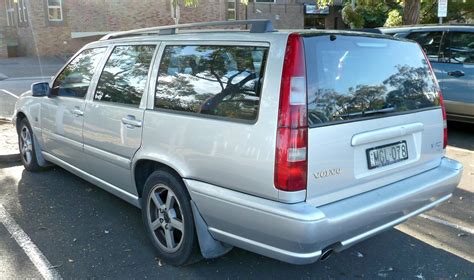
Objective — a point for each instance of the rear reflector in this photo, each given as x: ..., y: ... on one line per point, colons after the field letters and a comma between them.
x: 292, y: 133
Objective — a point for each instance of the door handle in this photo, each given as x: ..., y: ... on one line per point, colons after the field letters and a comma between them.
x: 77, y: 112
x: 456, y: 73
x: 130, y: 121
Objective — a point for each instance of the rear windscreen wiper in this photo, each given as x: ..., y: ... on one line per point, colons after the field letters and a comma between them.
x: 365, y: 113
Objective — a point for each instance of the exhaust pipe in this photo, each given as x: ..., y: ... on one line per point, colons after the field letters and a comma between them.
x: 326, y: 254
x: 329, y: 250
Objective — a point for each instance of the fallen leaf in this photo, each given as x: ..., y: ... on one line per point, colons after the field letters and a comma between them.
x: 420, y: 276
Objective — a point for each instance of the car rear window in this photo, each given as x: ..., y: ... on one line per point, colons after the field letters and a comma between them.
x: 213, y: 81
x: 355, y: 77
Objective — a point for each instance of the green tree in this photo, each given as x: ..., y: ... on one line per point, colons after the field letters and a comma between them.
x: 411, y: 11
x: 372, y: 13
x: 394, y: 19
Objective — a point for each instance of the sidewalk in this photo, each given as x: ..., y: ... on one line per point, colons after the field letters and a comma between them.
x: 20, y: 67
x: 8, y: 143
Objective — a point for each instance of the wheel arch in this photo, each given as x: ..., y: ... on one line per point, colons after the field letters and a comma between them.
x: 143, y: 168
x: 19, y: 117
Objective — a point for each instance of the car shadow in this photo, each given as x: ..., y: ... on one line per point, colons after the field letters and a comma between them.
x: 461, y: 135
x: 87, y: 232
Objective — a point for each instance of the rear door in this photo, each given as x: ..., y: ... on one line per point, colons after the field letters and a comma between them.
x: 373, y: 113
x: 114, y: 115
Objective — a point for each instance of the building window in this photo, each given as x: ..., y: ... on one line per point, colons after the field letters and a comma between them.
x: 55, y: 10
x: 231, y: 10
x: 22, y: 14
x: 10, y: 13
x: 264, y: 1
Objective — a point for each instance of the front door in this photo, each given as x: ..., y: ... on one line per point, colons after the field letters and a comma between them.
x: 63, y: 112
x: 114, y: 115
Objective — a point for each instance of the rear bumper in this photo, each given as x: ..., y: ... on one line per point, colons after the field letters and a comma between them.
x: 297, y: 233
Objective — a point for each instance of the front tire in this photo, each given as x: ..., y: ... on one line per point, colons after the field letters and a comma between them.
x: 27, y: 147
x: 168, y: 218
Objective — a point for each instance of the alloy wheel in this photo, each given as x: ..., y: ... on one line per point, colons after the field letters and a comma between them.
x: 165, y: 218
x: 26, y: 145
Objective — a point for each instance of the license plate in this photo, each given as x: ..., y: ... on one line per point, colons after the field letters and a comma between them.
x: 387, y: 154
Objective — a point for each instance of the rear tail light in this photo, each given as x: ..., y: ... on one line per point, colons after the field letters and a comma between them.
x: 445, y: 123
x: 441, y: 103
x: 291, y: 163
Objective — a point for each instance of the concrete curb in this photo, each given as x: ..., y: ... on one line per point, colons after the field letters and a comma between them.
x: 10, y: 158
x: 5, y: 120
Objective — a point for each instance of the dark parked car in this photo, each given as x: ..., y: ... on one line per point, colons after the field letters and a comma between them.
x: 450, y: 48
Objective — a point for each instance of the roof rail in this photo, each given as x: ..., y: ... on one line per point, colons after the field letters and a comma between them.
x: 256, y: 26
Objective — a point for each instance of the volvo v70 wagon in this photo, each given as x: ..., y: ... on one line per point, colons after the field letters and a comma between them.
x: 291, y: 144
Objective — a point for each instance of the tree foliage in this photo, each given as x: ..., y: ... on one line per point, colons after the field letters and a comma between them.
x: 375, y: 13
x: 394, y: 19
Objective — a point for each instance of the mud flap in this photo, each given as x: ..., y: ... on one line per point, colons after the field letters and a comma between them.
x: 210, y: 248
x: 39, y: 156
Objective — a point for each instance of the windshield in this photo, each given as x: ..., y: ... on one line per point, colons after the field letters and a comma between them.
x: 353, y: 77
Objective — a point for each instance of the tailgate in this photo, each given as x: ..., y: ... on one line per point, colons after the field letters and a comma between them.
x: 373, y: 112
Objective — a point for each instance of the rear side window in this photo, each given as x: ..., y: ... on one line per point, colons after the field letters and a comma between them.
x: 125, y: 74
x: 460, y: 47
x: 220, y: 81
x: 354, y: 77
x: 429, y: 41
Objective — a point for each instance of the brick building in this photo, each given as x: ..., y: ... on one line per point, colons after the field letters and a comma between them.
x: 61, y: 27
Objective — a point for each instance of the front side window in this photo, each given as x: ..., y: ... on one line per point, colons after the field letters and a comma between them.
x: 460, y: 47
x: 429, y: 41
x: 55, y: 10
x: 125, y: 74
x: 76, y: 77
x: 220, y: 81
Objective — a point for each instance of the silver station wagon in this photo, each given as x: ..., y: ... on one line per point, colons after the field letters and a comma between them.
x: 293, y: 144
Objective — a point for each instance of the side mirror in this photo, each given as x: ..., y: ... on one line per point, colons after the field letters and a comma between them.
x: 40, y: 89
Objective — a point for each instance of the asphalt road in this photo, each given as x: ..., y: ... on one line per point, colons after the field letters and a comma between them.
x: 85, y: 232
x: 11, y: 88
x: 17, y: 74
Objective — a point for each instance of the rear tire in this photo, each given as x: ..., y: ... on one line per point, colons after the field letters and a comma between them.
x: 27, y: 147
x: 168, y: 219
